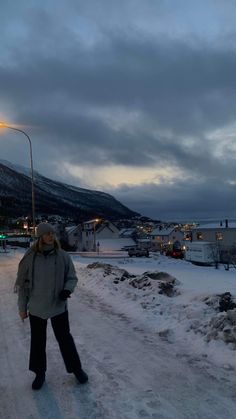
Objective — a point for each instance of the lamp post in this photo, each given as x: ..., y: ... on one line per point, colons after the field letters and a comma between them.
x: 3, y: 125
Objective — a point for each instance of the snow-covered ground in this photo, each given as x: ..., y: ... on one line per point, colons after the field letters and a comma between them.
x: 185, y: 319
x: 148, y: 355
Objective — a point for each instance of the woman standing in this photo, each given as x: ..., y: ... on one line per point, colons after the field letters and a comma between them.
x: 45, y: 280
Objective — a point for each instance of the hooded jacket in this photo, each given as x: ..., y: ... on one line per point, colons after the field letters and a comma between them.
x: 41, y: 278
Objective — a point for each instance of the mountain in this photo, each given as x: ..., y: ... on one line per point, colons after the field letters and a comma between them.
x: 53, y: 197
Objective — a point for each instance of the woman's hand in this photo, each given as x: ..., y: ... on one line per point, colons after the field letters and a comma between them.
x: 64, y: 294
x: 23, y: 315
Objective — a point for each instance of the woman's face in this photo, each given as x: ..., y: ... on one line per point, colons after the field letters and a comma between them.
x: 48, y: 238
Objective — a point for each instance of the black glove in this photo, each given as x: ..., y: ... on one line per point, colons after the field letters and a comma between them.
x: 64, y: 294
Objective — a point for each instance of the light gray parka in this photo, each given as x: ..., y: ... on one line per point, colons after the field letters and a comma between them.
x: 40, y: 279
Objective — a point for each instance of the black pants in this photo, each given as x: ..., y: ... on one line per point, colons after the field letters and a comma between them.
x: 61, y: 328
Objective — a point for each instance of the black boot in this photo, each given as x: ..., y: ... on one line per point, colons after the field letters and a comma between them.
x: 38, y: 381
x: 81, y: 376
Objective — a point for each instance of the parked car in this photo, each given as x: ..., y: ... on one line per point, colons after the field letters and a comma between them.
x: 175, y: 250
x: 177, y: 254
x: 138, y: 252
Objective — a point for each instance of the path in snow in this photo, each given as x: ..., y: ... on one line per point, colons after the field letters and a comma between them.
x: 132, y: 373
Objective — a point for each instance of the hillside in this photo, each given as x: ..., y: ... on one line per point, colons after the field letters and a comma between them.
x: 52, y: 197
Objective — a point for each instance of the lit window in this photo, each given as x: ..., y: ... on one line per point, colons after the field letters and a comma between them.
x: 199, y: 236
x: 219, y: 236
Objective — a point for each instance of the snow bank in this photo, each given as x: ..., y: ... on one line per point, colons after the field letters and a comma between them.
x: 184, y: 313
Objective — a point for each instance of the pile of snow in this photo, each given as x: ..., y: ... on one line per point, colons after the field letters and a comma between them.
x: 190, y: 320
x: 161, y: 280
x: 222, y: 325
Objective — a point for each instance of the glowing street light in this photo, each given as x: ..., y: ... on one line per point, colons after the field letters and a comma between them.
x: 3, y: 125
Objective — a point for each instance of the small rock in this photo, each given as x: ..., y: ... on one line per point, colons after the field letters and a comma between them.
x: 226, y: 303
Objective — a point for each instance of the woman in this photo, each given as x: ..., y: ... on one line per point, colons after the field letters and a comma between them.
x: 45, y: 280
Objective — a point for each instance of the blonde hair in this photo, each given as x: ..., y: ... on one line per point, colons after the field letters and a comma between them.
x: 37, y: 246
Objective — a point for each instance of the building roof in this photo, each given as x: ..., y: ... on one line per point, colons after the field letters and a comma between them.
x: 216, y: 226
x: 110, y: 226
x: 162, y: 232
x: 70, y: 229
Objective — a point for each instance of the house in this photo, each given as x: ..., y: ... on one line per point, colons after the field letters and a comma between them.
x: 107, y: 230
x: 162, y: 236
x: 93, y: 231
x: 223, y: 233
x: 73, y: 236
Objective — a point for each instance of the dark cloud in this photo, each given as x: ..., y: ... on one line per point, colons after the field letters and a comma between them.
x: 95, y: 89
x: 185, y: 200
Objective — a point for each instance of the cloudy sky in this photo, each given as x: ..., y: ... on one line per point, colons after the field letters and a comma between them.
x: 131, y: 97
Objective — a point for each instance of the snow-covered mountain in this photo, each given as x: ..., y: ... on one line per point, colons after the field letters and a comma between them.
x: 53, y: 197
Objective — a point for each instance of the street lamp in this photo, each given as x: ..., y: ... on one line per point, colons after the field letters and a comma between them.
x: 3, y: 125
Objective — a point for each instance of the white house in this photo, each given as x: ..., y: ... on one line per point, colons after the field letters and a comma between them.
x: 162, y: 236
x: 223, y: 233
x: 93, y: 231
x: 74, y: 236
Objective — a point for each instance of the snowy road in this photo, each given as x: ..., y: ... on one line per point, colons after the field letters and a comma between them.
x: 132, y: 373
